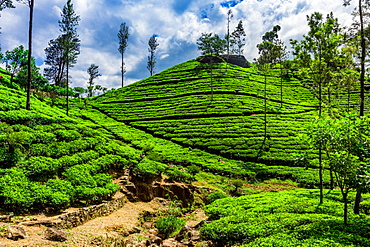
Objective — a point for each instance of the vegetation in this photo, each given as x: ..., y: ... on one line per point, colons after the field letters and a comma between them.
x: 287, y: 218
x: 203, y: 122
x: 153, y: 44
x: 123, y: 35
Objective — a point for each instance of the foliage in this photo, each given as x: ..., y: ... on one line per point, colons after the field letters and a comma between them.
x: 282, y: 219
x: 210, y: 43
x: 169, y: 225
x: 346, y: 145
x: 6, y: 4
x: 215, y: 196
x: 16, y: 60
x: 238, y: 39
x: 93, y: 72
x: 153, y: 44
x: 123, y: 35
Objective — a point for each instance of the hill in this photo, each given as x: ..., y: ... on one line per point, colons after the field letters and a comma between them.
x: 221, y: 111
x: 192, y: 124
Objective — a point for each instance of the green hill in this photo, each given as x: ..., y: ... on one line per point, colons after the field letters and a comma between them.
x: 222, y: 115
x: 221, y: 111
x: 192, y: 124
x: 50, y: 160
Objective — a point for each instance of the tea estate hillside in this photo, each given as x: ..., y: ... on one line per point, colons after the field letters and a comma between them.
x: 193, y: 133
x: 221, y: 110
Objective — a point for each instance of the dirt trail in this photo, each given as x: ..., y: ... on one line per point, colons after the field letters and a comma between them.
x: 125, y: 218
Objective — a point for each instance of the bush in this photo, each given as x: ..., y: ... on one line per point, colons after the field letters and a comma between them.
x: 169, y: 225
x: 193, y: 169
x: 215, y: 196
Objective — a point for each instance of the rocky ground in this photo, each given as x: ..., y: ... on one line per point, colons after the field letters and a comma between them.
x: 124, y: 227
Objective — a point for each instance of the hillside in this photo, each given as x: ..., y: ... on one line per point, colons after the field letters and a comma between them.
x: 189, y: 125
x: 221, y: 111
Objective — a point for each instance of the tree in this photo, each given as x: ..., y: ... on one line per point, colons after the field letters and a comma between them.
x: 346, y: 143
x: 6, y: 4
x: 238, y: 39
x: 227, y: 37
x: 153, y: 44
x: 281, y: 55
x: 69, y: 39
x: 15, y: 61
x: 317, y: 55
x: 211, y: 44
x: 56, y: 71
x: 79, y: 91
x: 123, y: 35
x: 363, y: 46
x: 38, y: 81
x: 268, y: 56
x: 30, y: 4
x: 3, y: 5
x: 93, y: 72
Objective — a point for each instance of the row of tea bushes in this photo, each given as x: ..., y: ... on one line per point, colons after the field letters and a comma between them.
x: 286, y: 218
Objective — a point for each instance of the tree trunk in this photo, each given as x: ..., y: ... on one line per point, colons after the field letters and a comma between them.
x: 11, y: 79
x: 211, y: 67
x: 265, y: 109
x: 349, y: 98
x: 67, y: 86
x: 320, y: 149
x: 29, y: 80
x: 363, y: 56
x: 122, y: 64
x: 345, y: 208
x: 356, y: 208
x: 281, y: 85
x: 331, y: 179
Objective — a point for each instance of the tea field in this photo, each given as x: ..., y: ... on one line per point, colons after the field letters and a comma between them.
x: 191, y: 124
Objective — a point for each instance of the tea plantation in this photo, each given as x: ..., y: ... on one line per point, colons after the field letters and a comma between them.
x: 191, y: 123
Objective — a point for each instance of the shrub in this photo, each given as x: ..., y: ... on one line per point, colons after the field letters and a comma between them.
x: 169, y: 225
x: 193, y: 169
x: 215, y: 196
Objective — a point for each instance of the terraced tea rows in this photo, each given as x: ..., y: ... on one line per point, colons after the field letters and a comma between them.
x: 223, y: 115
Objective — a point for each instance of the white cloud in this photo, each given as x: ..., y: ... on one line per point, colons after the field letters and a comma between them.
x: 178, y: 29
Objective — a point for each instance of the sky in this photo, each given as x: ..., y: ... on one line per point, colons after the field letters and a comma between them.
x: 177, y: 23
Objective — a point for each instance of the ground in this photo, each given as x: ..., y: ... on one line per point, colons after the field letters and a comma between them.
x: 124, y: 218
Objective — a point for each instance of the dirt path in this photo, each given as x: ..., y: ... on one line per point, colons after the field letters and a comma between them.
x: 125, y: 218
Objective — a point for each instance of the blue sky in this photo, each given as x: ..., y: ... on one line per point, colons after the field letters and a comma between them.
x: 178, y: 24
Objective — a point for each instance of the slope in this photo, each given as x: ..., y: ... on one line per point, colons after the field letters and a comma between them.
x: 50, y: 160
x: 221, y: 113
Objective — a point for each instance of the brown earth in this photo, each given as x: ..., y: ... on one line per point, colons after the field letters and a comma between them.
x: 125, y: 218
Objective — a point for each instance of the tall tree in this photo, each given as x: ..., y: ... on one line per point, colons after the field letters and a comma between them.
x: 69, y: 40
x: 238, y: 37
x: 268, y: 56
x: 317, y: 54
x: 281, y: 55
x: 153, y: 44
x: 362, y: 49
x: 360, y: 38
x: 229, y: 16
x: 30, y: 4
x: 93, y: 72
x: 123, y: 35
